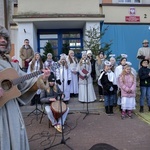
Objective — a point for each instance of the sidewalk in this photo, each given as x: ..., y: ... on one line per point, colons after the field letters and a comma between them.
x: 128, y: 134
x: 76, y: 106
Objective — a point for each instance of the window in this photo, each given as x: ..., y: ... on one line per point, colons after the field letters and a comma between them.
x: 129, y: 1
x: 73, y: 43
x: 71, y: 35
x: 57, y: 38
x: 48, y: 36
x: 73, y: 38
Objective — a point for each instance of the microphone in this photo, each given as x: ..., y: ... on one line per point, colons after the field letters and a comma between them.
x: 63, y: 62
x: 37, y: 65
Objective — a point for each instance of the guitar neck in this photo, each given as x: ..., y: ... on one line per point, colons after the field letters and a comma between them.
x: 26, y: 77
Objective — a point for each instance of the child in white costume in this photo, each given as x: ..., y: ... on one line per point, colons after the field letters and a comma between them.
x: 86, y: 90
x: 73, y: 66
x: 63, y: 77
x: 127, y: 84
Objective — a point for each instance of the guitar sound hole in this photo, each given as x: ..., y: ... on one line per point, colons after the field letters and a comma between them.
x: 6, y: 85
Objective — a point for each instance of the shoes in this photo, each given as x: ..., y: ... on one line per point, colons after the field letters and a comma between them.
x: 122, y: 117
x: 71, y: 95
x: 141, y: 109
x: 58, y: 128
x: 129, y: 114
x: 75, y: 95
x: 101, y: 100
x: 66, y: 102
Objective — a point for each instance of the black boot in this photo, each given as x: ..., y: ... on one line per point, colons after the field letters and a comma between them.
x: 120, y: 108
x: 141, y: 109
x: 111, y: 109
x: 148, y: 108
x: 71, y: 95
x: 106, y: 110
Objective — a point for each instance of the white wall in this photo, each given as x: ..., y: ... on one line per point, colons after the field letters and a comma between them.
x: 142, y: 1
x: 14, y: 39
x: 145, y: 1
x: 118, y: 13
x: 35, y: 38
x: 58, y: 6
x: 26, y: 31
x: 2, y: 19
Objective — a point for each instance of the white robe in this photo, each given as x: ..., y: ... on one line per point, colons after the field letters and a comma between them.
x: 36, y: 67
x: 74, y: 85
x: 12, y: 128
x: 64, y: 77
x: 86, y: 89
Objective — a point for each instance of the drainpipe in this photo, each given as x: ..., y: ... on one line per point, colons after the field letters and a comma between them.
x: 5, y: 14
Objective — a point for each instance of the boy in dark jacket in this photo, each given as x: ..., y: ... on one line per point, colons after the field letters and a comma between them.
x: 144, y: 75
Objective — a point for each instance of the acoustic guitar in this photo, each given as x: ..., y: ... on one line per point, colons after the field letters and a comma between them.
x: 9, y: 79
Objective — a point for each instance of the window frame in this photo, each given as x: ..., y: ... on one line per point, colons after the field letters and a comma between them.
x: 132, y: 2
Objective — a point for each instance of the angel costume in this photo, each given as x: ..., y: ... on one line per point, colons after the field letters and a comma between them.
x: 86, y: 89
x: 64, y: 74
x: 74, y: 86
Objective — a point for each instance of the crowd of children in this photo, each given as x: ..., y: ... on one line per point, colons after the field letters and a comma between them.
x: 116, y: 81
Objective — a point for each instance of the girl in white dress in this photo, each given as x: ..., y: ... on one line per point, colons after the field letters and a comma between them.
x: 35, y: 65
x: 73, y: 65
x: 127, y: 84
x: 118, y: 71
x: 86, y: 90
x: 49, y: 62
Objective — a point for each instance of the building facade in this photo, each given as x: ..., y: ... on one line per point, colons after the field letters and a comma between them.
x: 56, y: 21
x: 128, y: 24
x: 60, y: 22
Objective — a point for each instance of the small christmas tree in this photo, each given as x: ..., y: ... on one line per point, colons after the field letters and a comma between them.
x: 47, y: 49
x: 92, y: 42
x: 65, y: 48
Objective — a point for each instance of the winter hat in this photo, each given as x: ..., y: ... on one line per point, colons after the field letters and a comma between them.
x: 51, y: 78
x: 145, y: 41
x: 4, y: 33
x: 143, y: 61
